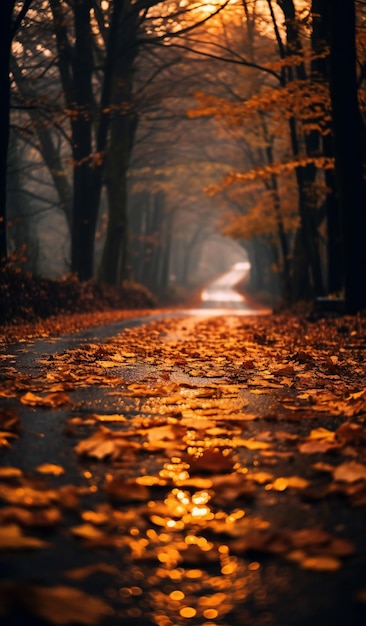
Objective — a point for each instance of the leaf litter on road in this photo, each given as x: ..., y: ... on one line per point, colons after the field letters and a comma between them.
x: 183, y: 479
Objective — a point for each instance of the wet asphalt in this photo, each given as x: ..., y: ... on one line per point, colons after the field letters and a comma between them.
x: 277, y: 594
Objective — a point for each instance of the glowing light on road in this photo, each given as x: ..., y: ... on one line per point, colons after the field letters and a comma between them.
x: 243, y: 265
x: 222, y: 289
x: 221, y: 295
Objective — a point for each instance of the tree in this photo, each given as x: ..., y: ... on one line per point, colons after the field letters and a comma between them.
x: 321, y: 74
x: 9, y: 24
x: 260, y: 106
x: 302, y: 97
x: 349, y: 144
x: 43, y: 130
x: 102, y: 44
x: 123, y: 124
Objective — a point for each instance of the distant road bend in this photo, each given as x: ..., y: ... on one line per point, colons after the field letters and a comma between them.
x: 221, y: 294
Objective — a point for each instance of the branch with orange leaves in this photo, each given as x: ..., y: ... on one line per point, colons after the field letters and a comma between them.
x: 321, y: 163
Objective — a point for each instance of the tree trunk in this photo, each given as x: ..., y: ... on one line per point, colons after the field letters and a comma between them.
x: 6, y: 12
x: 321, y: 73
x: 123, y: 128
x: 312, y: 281
x: 349, y: 134
x: 86, y: 183
x: 334, y: 228
x: 165, y: 255
x: 155, y: 274
x: 137, y: 226
x: 76, y: 71
x: 9, y: 25
x: 114, y: 256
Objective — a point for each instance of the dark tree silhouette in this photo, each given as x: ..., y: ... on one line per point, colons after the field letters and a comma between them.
x: 9, y: 24
x: 349, y: 145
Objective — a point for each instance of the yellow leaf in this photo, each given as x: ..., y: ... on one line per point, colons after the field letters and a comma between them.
x: 52, y: 400
x: 108, y: 363
x: 12, y: 538
x: 45, y: 517
x: 322, y: 433
x: 27, y: 496
x: 115, y: 417
x: 350, y: 472
x: 4, y: 436
x: 281, y: 484
x: 252, y: 444
x: 95, y: 517
x: 318, y: 445
x: 87, y: 531
x: 261, y: 477
x: 104, y: 442
x: 321, y: 563
x: 10, y: 472
x: 50, y: 468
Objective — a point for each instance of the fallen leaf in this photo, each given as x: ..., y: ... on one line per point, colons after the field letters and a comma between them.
x: 261, y: 477
x: 52, y: 400
x: 295, y: 482
x: 114, y: 417
x: 10, y: 472
x: 263, y: 382
x: 350, y: 472
x: 320, y: 440
x: 28, y: 496
x: 45, y: 517
x: 4, y: 439
x: 252, y: 444
x: 106, y: 443
x: 62, y: 605
x: 309, y: 537
x: 322, y: 433
x: 88, y: 531
x: 317, y: 446
x: 50, y: 468
x: 96, y: 517
x: 321, y: 563
x: 350, y: 433
x: 168, y: 432
x: 107, y: 364
x: 12, y: 538
x: 238, y: 417
x: 323, y: 467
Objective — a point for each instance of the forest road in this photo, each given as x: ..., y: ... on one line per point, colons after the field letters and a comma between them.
x: 172, y: 469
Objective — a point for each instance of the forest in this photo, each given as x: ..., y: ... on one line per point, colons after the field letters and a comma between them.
x: 182, y: 312
x: 155, y: 143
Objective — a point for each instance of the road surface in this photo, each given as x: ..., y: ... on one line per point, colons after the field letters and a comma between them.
x: 157, y: 472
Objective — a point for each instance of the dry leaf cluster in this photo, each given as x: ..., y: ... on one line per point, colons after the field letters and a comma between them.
x: 216, y: 447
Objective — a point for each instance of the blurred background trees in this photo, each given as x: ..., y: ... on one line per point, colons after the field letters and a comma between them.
x: 161, y: 142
